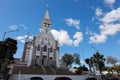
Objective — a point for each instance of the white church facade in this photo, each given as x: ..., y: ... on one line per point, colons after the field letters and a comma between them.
x: 43, y: 50
x: 40, y: 55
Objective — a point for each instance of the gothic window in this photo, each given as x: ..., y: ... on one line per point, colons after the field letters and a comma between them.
x: 38, y: 48
x: 45, y: 48
x: 51, y: 49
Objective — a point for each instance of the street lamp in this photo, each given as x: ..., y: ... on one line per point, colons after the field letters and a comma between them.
x: 95, y: 49
x: 9, y: 32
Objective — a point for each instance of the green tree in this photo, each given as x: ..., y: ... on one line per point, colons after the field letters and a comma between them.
x: 100, y: 60
x: 87, y: 61
x: 117, y: 69
x: 111, y: 60
x: 77, y: 59
x: 80, y: 69
x: 68, y: 59
x: 96, y: 61
x: 7, y: 49
x: 2, y: 51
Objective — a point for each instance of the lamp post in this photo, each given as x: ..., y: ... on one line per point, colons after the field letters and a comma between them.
x: 95, y: 49
x: 9, y: 32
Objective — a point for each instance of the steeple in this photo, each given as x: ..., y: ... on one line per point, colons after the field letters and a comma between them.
x: 47, y: 19
x: 46, y: 16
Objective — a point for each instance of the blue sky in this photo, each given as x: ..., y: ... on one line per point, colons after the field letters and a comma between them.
x: 78, y: 24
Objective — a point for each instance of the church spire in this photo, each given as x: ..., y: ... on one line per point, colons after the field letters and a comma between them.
x: 46, y: 16
x: 46, y: 20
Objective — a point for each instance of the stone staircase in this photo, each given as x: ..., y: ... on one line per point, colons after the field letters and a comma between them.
x: 49, y: 70
x: 28, y: 70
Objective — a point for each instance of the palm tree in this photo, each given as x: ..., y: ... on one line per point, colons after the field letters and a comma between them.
x: 99, y: 59
x: 87, y: 60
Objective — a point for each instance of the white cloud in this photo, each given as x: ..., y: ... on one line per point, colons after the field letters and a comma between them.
x: 112, y: 16
x: 79, y: 37
x: 96, y: 38
x: 23, y: 26
x: 88, y: 32
x: 73, y: 22
x: 18, y: 27
x: 99, y: 12
x: 110, y: 27
x: 23, y: 38
x: 62, y: 36
x: 109, y: 2
x: 13, y: 27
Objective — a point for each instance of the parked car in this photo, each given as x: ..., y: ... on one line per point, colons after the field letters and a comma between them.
x: 36, y: 78
x: 62, y: 78
x: 110, y: 78
x: 90, y: 79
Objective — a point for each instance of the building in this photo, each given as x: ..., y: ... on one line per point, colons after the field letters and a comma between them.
x: 40, y: 55
x: 43, y: 50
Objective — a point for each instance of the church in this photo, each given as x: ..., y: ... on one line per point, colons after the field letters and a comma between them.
x: 43, y: 50
x: 40, y: 57
x: 41, y: 54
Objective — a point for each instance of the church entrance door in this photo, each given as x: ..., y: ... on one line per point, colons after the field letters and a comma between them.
x: 44, y: 61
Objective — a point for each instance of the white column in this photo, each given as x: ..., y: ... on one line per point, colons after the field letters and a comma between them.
x: 30, y: 57
x: 57, y: 59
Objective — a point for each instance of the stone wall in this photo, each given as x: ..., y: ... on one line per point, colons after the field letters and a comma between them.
x: 46, y: 77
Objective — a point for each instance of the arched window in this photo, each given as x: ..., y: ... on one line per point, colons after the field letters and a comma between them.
x: 45, y: 48
x: 38, y: 47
